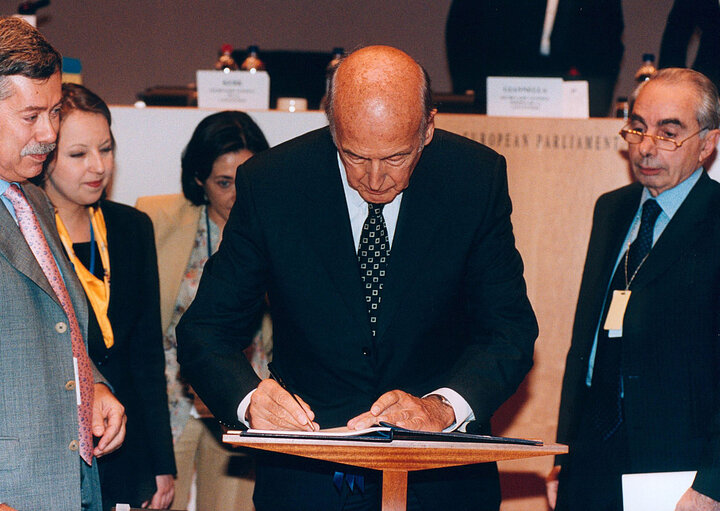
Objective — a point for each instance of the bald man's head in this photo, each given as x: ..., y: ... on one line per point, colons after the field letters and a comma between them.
x: 379, y: 77
x: 380, y: 115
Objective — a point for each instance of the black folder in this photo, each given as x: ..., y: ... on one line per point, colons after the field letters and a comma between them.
x: 386, y: 432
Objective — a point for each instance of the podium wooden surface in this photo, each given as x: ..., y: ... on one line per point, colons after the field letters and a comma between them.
x: 395, y: 459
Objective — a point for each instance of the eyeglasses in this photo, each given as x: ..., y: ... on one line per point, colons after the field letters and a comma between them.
x: 664, y: 143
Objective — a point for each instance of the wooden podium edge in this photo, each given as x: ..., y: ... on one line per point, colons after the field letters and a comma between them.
x: 399, y: 454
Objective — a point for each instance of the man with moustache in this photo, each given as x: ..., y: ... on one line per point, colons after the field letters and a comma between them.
x: 52, y: 400
x: 386, y: 251
x: 641, y: 391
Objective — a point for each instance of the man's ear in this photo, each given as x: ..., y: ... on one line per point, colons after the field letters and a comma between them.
x: 430, y: 129
x: 709, y: 144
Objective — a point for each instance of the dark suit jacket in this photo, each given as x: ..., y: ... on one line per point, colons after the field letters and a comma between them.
x: 502, y: 38
x: 454, y: 311
x: 135, y: 365
x: 684, y: 18
x: 670, y: 350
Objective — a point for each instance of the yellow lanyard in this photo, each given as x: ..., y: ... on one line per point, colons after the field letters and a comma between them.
x: 97, y: 291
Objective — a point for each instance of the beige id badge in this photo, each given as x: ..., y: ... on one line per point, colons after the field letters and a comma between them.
x: 616, y: 313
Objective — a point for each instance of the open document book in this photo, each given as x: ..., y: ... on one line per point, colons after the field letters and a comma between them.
x: 384, y: 433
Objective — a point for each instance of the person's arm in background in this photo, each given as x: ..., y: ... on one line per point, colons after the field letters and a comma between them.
x: 147, y: 366
x: 679, y: 29
x: 551, y: 486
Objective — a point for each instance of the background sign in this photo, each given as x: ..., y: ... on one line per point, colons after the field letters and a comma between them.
x: 233, y: 90
x: 537, y: 97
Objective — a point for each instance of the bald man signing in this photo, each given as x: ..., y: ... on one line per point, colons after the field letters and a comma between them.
x: 386, y: 251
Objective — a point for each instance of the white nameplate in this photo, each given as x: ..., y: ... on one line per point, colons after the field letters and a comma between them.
x: 235, y: 90
x: 576, y: 99
x: 536, y: 97
x: 655, y: 492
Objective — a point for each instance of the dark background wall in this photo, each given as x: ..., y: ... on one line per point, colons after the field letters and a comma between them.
x: 128, y: 45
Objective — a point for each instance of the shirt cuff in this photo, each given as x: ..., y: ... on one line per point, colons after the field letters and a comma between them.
x: 242, y: 408
x: 463, y: 412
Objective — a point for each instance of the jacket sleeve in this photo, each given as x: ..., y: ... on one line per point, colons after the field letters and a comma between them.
x: 502, y: 325
x: 147, y: 358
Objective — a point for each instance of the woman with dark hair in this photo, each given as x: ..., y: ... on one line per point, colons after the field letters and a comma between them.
x: 112, y: 249
x: 188, y: 229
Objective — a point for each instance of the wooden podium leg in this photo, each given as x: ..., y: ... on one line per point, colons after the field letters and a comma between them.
x: 394, y: 490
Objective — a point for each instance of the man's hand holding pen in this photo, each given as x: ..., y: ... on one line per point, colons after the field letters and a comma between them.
x: 273, y: 407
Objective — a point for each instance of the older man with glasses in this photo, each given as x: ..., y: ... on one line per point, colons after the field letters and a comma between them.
x: 641, y: 391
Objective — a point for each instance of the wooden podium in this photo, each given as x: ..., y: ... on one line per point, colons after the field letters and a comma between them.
x: 395, y: 459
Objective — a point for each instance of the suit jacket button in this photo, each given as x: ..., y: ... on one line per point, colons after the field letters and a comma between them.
x: 366, y: 351
x: 70, y: 385
x: 61, y: 327
x: 73, y: 445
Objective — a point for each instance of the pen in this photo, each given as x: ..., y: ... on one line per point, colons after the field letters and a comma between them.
x: 275, y: 376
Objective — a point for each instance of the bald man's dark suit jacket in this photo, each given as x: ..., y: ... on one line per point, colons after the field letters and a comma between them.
x: 454, y: 310
x: 670, y: 343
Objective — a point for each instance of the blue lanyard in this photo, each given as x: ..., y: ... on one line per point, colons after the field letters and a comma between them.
x: 92, y: 250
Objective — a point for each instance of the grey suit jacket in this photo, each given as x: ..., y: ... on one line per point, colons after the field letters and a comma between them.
x: 38, y: 412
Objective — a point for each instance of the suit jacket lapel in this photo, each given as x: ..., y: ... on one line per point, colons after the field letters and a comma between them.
x: 46, y: 217
x: 609, y: 231
x: 620, y: 219
x: 417, y: 228
x: 681, y: 232
x: 17, y: 251
x: 327, y: 213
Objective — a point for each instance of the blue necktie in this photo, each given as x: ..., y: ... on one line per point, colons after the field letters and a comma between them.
x: 640, y: 248
x: 605, y: 402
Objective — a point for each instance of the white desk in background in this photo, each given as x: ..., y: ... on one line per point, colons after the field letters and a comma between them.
x: 150, y: 141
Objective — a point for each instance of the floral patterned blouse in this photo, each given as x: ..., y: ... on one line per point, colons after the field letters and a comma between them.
x: 179, y: 397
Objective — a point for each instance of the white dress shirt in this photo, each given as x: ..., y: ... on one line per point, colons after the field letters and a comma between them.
x: 550, y: 12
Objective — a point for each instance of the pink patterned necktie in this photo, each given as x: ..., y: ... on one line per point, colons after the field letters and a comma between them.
x: 30, y: 228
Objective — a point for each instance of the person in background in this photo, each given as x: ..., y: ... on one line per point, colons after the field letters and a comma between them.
x: 188, y: 229
x: 53, y: 401
x: 687, y: 16
x: 112, y: 250
x: 579, y: 39
x: 641, y: 391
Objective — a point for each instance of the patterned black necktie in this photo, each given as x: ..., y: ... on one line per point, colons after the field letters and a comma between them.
x: 605, y: 402
x: 373, y: 254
